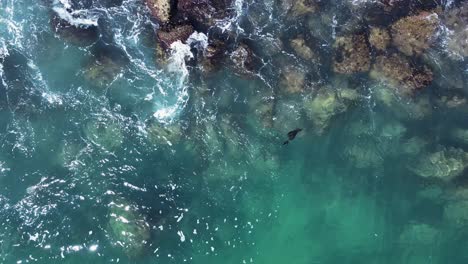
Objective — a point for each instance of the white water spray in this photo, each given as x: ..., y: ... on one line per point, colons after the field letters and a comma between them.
x: 198, y: 41
x: 77, y: 18
x: 229, y: 23
x: 177, y: 67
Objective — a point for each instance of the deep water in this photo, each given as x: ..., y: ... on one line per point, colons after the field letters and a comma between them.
x: 111, y: 154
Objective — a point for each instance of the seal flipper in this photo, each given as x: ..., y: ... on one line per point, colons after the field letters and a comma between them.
x: 286, y: 142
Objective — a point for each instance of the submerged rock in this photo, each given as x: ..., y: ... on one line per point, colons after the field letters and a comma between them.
x: 128, y: 228
x: 457, y: 44
x: 456, y: 18
x: 326, y: 105
x: 261, y: 106
x: 392, y: 130
x: 160, y: 9
x: 460, y: 135
x: 379, y: 38
x: 371, y: 142
x: 397, y: 71
x: 364, y: 153
x: 287, y: 114
x: 414, y: 146
x: 302, y: 50
x: 104, y: 133
x: 234, y: 138
x: 434, y: 193
x: 69, y: 153
x: 164, y: 134
x: 103, y: 71
x: 264, y: 112
x: 452, y: 101
x: 292, y: 80
x: 406, y: 108
x: 296, y: 8
x: 381, y: 12
x: 445, y: 164
x: 211, y: 140
x: 351, y: 54
x: 448, y: 74
x: 76, y: 35
x: 413, y: 35
x: 415, y: 241
x: 415, y: 108
x: 456, y: 21
x: 419, y: 234
x: 456, y: 212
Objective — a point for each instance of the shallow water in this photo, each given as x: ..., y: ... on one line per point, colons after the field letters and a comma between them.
x: 158, y: 163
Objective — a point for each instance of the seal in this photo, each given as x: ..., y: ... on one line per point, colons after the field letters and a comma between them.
x: 292, y: 135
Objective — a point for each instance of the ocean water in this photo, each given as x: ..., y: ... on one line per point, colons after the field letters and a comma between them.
x: 110, y: 155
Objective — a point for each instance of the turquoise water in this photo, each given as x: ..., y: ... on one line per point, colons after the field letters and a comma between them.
x: 146, y: 161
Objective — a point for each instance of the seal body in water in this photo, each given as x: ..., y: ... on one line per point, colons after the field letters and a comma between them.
x: 292, y: 135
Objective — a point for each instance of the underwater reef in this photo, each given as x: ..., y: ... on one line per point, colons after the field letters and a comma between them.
x: 143, y: 131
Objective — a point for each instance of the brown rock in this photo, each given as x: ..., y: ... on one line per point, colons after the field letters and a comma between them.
x: 297, y: 8
x: 213, y: 56
x: 292, y: 80
x: 160, y: 9
x: 379, y: 38
x: 413, y: 35
x: 400, y: 74
x: 352, y: 55
x: 181, y: 33
x: 203, y: 13
x: 301, y: 49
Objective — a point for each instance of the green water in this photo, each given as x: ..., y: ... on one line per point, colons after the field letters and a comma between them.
x: 87, y: 175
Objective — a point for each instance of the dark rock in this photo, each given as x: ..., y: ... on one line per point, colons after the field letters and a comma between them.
x: 202, y: 14
x: 174, y: 34
x: 80, y: 36
x: 243, y: 59
x: 352, y: 55
x: 107, y: 63
x: 214, y: 56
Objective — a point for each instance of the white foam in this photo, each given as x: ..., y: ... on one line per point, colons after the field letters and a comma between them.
x: 77, y: 18
x: 447, y: 3
x: 360, y: 2
x: 452, y: 40
x: 10, y: 30
x: 131, y: 186
x: 181, y: 235
x: 65, y: 3
x: 229, y: 23
x: 3, y: 50
x: 3, y: 53
x: 3, y: 168
x: 198, y: 40
x: 93, y: 248
x: 165, y: 113
x: 180, y: 52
